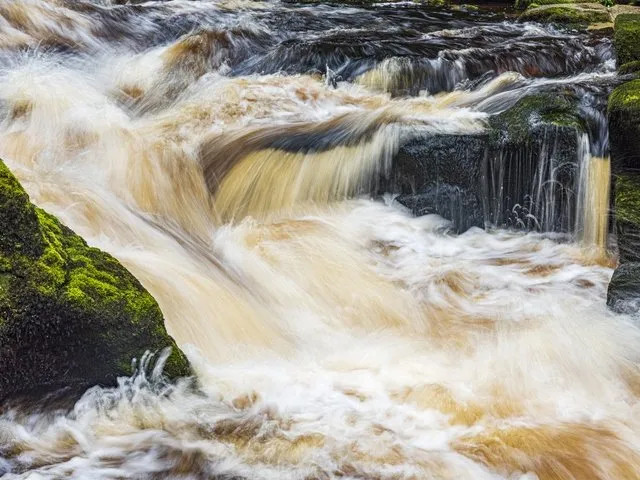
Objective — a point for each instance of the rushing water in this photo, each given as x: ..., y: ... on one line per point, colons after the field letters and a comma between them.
x: 333, y: 334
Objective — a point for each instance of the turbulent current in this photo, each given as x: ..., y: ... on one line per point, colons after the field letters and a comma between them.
x: 232, y: 155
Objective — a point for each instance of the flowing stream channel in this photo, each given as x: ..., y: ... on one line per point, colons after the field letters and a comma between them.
x: 230, y: 154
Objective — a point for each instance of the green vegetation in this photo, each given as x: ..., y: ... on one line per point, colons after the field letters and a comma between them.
x: 70, y: 314
x: 627, y: 38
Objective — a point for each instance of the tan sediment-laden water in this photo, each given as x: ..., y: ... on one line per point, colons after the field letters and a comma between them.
x: 233, y: 156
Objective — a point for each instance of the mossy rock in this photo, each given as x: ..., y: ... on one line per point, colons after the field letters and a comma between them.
x: 70, y: 315
x: 539, y: 129
x: 522, y: 4
x: 630, y: 68
x: 624, y: 127
x: 453, y: 175
x: 579, y: 15
x: 519, y: 124
x: 627, y: 38
x: 627, y: 211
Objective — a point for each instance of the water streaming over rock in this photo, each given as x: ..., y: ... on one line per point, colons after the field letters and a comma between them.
x: 333, y: 333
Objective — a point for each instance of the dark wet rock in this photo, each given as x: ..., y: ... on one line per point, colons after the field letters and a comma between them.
x: 623, y: 295
x: 521, y: 173
x: 575, y: 15
x: 532, y: 171
x: 521, y: 124
x: 627, y: 214
x: 627, y: 37
x: 624, y: 134
x: 624, y: 127
x: 441, y: 174
x: 70, y: 315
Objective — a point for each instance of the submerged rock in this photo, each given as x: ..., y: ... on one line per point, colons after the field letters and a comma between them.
x: 70, y: 315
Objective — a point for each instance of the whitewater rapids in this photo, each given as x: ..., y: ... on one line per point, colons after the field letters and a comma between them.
x: 333, y: 334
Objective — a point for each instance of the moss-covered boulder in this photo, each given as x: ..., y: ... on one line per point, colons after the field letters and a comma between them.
x: 522, y: 4
x: 629, y: 68
x: 627, y: 214
x: 627, y: 38
x: 70, y: 315
x: 539, y: 137
x: 574, y: 15
x: 624, y: 126
x: 521, y: 124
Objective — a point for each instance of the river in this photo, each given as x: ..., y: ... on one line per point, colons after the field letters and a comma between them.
x: 230, y: 154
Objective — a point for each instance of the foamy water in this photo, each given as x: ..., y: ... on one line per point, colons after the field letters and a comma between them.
x: 332, y: 333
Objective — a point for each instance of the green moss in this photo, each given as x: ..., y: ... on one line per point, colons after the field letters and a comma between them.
x: 626, y: 97
x: 516, y: 124
x: 18, y: 222
x: 578, y: 16
x: 69, y: 314
x: 630, y: 67
x: 522, y: 4
x: 627, y: 38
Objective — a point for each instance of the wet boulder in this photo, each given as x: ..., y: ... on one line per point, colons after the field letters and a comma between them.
x: 70, y: 315
x: 436, y: 173
x: 627, y: 214
x: 624, y: 134
x: 623, y: 295
x: 533, y: 168
x: 519, y: 173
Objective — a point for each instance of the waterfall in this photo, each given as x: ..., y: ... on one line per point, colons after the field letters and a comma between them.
x: 592, y: 223
x: 333, y: 333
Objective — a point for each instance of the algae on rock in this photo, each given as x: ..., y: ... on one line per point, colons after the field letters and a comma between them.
x: 70, y: 314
